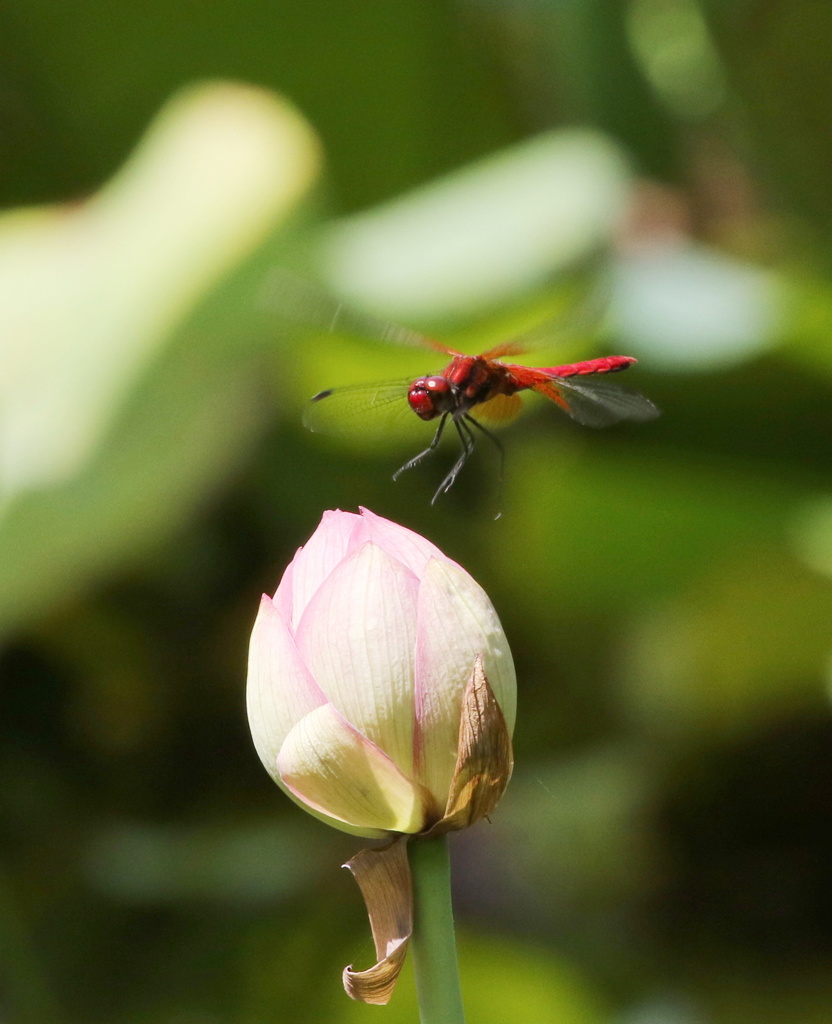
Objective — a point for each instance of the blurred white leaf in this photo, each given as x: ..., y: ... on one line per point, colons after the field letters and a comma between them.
x: 685, y: 306
x: 90, y: 291
x: 486, y: 233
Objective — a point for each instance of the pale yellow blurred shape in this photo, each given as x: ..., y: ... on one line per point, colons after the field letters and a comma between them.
x: 89, y: 292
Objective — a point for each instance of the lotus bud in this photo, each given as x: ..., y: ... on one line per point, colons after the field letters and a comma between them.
x: 377, y: 657
x: 381, y: 698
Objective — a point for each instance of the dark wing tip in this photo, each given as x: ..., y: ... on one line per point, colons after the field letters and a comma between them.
x: 321, y: 394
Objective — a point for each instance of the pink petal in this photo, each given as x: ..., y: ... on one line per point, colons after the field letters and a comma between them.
x: 409, y: 548
x: 280, y: 690
x: 284, y: 595
x: 328, y: 545
x: 332, y: 768
x: 358, y: 638
x: 456, y: 622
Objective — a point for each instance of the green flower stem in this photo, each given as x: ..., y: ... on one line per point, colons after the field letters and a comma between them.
x: 433, y: 943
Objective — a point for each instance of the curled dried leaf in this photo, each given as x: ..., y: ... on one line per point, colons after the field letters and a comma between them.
x: 383, y: 875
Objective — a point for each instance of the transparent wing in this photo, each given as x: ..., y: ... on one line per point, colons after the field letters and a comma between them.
x: 359, y: 409
x: 581, y: 315
x: 302, y: 302
x: 597, y: 401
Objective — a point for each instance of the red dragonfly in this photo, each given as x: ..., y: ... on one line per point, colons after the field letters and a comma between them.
x: 475, y: 388
x: 469, y: 392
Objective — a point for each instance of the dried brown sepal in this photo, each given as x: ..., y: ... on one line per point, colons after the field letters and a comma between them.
x: 484, y: 760
x: 383, y: 875
x: 483, y: 768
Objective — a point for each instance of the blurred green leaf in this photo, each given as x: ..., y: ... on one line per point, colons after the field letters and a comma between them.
x: 747, y: 644
x: 787, y: 112
x: 640, y: 524
x: 502, y: 981
x: 253, y: 865
x: 579, y: 830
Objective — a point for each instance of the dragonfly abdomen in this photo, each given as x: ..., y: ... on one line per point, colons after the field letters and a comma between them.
x: 607, y: 364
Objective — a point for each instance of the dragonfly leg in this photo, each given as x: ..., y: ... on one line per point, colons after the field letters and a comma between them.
x: 437, y: 437
x: 466, y: 436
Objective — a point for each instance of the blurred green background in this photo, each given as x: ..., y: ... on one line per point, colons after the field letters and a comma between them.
x: 656, y: 172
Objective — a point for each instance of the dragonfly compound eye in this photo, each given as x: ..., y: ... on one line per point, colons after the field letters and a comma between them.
x: 430, y: 397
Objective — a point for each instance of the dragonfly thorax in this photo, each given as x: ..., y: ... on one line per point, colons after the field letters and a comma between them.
x: 430, y: 397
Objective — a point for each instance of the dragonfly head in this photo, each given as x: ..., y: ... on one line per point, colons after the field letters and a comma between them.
x: 430, y: 397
